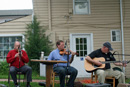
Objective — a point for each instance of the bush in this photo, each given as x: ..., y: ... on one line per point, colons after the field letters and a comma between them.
x: 36, y: 41
x: 4, y: 68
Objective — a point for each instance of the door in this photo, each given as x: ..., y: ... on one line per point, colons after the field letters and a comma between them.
x: 82, y: 44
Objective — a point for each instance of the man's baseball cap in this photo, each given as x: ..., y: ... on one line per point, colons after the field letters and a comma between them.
x: 108, y: 45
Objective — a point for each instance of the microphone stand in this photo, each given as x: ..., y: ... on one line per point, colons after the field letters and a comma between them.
x: 120, y: 54
x: 19, y: 50
x: 67, y: 61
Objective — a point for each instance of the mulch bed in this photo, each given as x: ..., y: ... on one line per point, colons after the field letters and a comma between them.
x: 88, y: 81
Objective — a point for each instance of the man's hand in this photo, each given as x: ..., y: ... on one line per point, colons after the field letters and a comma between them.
x: 97, y: 63
x: 124, y: 64
x: 16, y: 55
x: 73, y: 53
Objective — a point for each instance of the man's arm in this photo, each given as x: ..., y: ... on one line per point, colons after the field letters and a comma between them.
x: 24, y: 57
x: 50, y: 56
x: 72, y: 57
x: 10, y: 58
x: 121, y: 64
x: 88, y: 58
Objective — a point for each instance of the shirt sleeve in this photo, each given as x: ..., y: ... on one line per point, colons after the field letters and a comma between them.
x: 93, y: 54
x: 10, y: 58
x: 50, y: 57
x: 24, y: 57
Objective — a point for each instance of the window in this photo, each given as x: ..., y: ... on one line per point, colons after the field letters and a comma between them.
x: 7, y: 44
x: 81, y: 46
x: 115, y: 35
x: 81, y: 6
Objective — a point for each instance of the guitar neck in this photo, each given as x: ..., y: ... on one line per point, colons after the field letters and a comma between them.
x: 89, y: 67
x: 115, y: 62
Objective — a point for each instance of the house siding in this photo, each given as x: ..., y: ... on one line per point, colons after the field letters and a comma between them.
x: 104, y: 16
x: 126, y: 26
x: 17, y: 26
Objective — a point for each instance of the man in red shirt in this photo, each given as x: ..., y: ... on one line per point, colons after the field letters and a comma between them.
x: 17, y: 59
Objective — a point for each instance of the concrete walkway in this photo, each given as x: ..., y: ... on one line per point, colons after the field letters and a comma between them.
x: 77, y: 79
x: 3, y: 80
x: 22, y: 80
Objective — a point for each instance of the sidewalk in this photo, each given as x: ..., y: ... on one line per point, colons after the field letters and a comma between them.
x: 22, y: 80
x: 36, y: 80
x: 2, y: 80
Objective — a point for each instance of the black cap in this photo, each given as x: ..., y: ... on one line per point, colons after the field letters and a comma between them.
x: 108, y: 45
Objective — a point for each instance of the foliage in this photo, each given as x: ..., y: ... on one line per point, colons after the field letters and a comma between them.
x: 4, y: 68
x: 36, y: 41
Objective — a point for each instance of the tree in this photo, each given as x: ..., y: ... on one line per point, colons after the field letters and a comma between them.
x: 36, y: 41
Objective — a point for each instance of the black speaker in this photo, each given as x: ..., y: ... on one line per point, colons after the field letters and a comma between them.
x: 42, y: 84
x: 98, y: 85
x: 123, y: 85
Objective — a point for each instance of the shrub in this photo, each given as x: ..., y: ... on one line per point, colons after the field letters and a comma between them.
x: 4, y: 68
x: 36, y: 41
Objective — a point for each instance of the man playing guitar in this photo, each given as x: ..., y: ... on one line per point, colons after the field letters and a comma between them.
x: 107, y: 70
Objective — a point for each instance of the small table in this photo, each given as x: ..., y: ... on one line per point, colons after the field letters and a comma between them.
x: 49, y: 68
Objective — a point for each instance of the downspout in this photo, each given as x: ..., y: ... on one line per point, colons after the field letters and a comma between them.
x: 32, y: 11
x: 49, y: 13
x: 32, y: 14
x: 122, y: 33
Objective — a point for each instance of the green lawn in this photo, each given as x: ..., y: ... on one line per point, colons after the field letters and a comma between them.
x: 33, y: 84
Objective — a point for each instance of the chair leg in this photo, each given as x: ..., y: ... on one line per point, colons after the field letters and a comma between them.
x: 53, y: 79
x: 95, y: 77
x: 113, y: 82
x: 9, y: 79
x: 92, y: 77
x: 93, y: 74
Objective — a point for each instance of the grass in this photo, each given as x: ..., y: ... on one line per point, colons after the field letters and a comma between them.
x: 33, y: 84
x: 127, y: 80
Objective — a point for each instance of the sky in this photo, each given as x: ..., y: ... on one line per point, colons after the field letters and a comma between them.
x: 15, y: 4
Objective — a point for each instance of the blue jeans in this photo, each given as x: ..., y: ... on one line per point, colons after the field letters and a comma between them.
x: 62, y: 72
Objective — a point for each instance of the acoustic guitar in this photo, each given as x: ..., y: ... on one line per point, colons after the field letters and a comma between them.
x: 89, y: 67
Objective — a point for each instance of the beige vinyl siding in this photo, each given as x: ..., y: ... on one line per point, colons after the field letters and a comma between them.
x: 104, y: 16
x: 17, y: 26
x: 126, y: 17
x: 41, y: 11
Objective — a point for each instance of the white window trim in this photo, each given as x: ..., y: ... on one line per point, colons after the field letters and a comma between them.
x: 89, y: 12
x: 76, y: 34
x: 7, y: 35
x: 111, y: 35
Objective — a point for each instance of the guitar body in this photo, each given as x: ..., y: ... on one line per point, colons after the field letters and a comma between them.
x: 89, y: 67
